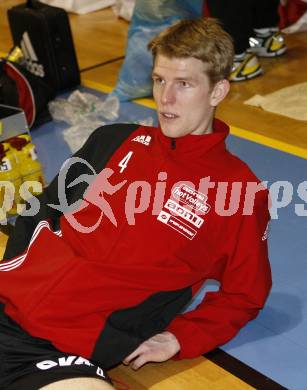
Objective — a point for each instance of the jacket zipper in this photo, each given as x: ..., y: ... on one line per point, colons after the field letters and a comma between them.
x: 173, y: 143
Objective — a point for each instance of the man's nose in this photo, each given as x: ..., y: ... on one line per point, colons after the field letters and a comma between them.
x: 168, y: 95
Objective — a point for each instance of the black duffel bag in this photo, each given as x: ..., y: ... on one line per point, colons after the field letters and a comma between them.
x: 44, y: 35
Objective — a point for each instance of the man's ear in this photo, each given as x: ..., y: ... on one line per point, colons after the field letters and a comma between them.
x: 219, y: 92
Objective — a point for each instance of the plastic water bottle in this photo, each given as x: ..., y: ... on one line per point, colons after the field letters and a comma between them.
x: 29, y: 166
x: 9, y: 172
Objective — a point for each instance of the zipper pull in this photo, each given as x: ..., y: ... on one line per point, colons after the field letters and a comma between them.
x: 173, y: 143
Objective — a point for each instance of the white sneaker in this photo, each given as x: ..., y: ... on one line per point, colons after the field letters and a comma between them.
x: 246, y: 66
x: 268, y: 42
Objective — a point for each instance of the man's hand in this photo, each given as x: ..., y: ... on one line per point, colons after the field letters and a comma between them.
x: 158, y: 348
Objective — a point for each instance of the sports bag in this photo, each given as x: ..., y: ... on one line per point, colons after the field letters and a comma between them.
x: 44, y: 35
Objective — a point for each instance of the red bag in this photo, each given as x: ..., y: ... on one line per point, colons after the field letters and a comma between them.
x: 20, y: 88
x: 291, y: 12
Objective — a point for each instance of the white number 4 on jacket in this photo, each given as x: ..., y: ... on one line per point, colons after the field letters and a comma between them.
x: 124, y: 162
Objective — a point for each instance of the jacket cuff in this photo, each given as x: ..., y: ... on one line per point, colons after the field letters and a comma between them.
x: 192, y: 339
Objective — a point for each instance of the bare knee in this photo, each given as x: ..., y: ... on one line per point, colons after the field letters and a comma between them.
x: 79, y: 384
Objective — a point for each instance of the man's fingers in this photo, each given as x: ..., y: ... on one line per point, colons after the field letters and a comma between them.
x: 133, y: 355
x: 158, y: 348
x: 138, y: 357
x: 128, y: 359
x: 139, y: 361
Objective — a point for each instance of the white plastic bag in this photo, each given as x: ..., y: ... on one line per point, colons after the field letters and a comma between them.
x: 84, y: 107
x: 80, y: 6
x: 85, y: 112
x: 124, y: 9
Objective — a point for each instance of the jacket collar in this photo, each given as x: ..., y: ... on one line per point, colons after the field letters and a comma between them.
x: 197, y: 144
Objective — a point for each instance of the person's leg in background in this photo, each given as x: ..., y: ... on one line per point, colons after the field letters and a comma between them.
x: 266, y: 41
x: 237, y: 19
x: 265, y: 13
x: 253, y: 27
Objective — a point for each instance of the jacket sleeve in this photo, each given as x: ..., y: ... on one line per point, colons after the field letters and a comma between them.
x: 245, y: 285
x: 96, y: 152
x: 21, y: 233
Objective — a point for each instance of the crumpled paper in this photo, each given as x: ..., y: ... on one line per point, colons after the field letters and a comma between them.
x: 289, y: 101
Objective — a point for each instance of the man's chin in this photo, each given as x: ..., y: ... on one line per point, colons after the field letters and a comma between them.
x: 170, y: 131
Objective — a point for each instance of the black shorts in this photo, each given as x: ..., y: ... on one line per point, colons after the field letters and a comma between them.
x: 28, y: 362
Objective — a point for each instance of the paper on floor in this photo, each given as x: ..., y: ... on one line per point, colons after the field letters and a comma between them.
x: 290, y: 101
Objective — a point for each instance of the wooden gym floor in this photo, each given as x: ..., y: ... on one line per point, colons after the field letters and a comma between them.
x: 100, y: 40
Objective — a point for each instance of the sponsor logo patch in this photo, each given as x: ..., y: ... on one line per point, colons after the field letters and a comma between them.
x: 143, y: 139
x: 177, y: 224
x: 195, y: 199
x: 29, y: 53
x: 184, y: 213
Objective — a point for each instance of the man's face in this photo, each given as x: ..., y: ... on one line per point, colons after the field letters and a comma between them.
x: 183, y: 96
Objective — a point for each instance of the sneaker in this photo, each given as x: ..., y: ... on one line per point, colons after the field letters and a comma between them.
x: 268, y: 42
x: 245, y: 66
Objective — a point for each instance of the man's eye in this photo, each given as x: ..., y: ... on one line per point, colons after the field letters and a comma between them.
x: 184, y: 84
x: 157, y: 80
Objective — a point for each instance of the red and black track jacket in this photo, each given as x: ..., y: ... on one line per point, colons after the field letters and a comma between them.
x: 143, y: 237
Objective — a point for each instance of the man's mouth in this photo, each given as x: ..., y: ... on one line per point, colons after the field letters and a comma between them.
x: 168, y: 115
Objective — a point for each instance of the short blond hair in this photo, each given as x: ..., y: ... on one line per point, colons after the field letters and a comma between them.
x: 203, y: 39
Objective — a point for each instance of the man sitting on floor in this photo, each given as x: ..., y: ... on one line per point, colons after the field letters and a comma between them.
x: 105, y: 279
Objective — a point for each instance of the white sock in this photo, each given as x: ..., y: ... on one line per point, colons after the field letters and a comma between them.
x: 266, y: 31
x: 240, y: 56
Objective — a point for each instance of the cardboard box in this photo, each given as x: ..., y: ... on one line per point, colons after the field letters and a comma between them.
x: 12, y: 122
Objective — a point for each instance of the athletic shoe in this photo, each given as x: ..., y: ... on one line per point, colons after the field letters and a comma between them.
x: 268, y: 42
x: 246, y: 66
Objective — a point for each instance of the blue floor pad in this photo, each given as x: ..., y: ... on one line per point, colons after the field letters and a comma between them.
x: 275, y: 343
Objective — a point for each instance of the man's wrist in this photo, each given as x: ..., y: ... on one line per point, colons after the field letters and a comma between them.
x: 174, y: 341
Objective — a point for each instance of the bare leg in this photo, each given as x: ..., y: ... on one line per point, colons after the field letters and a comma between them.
x: 79, y: 384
